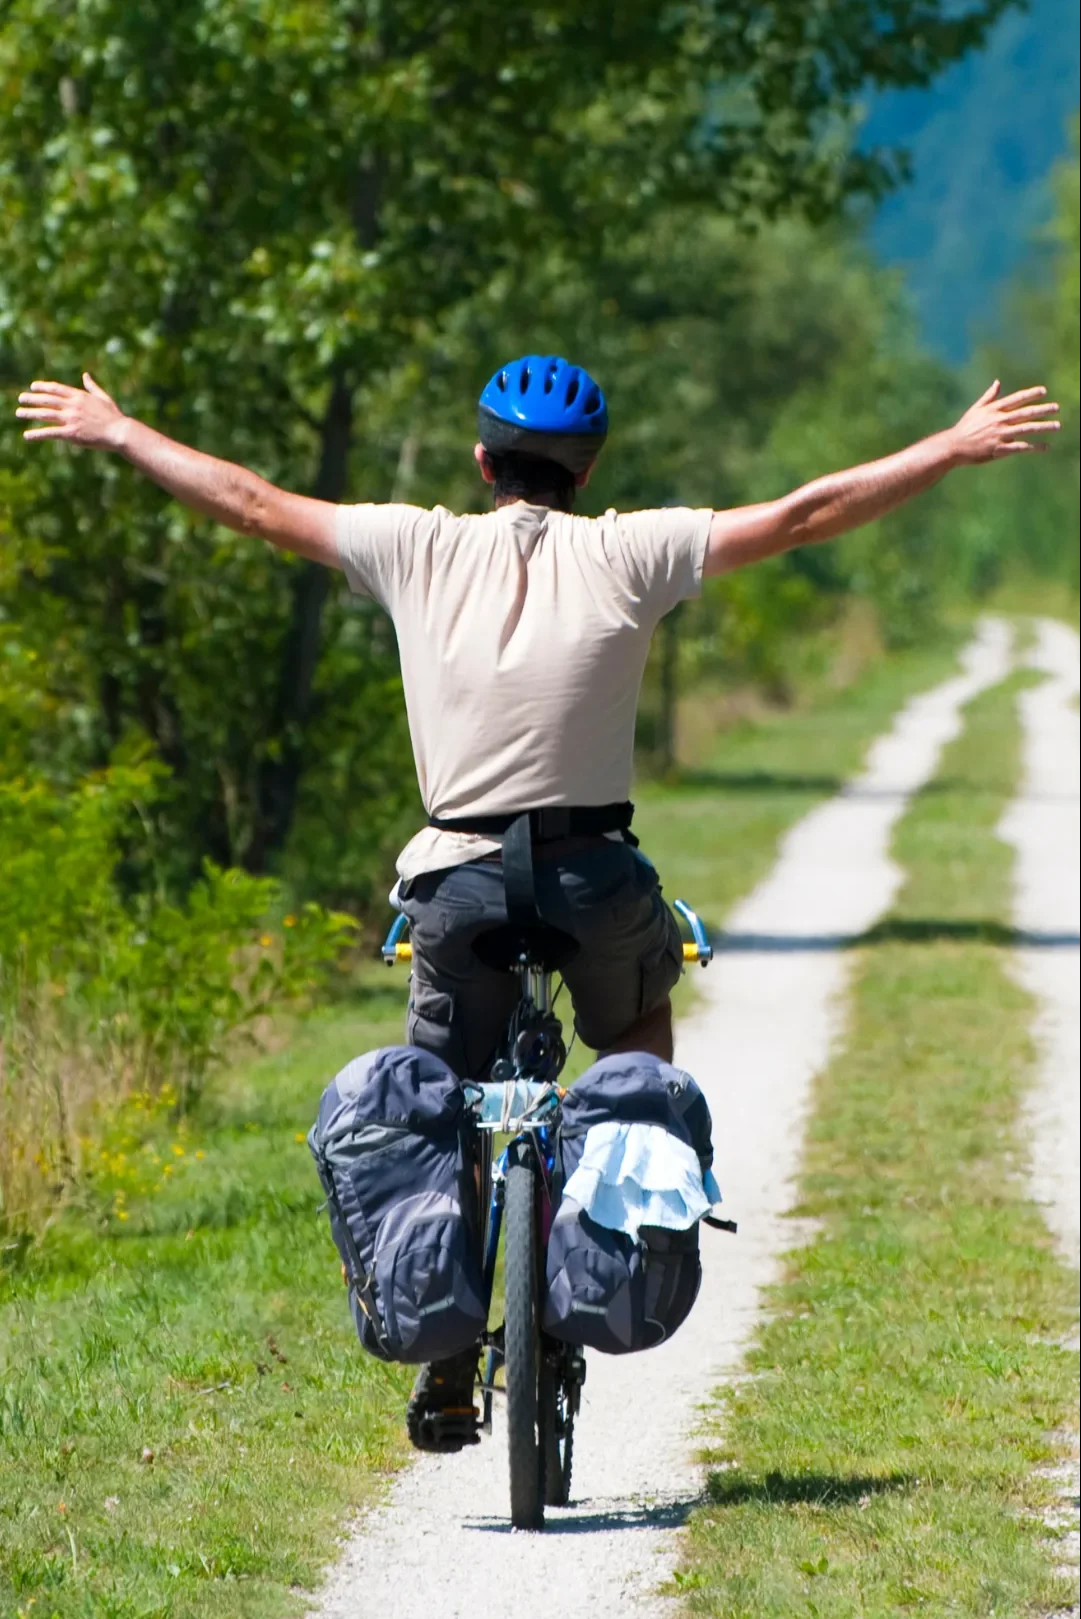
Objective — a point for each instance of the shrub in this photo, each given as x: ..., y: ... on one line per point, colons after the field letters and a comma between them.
x: 101, y: 998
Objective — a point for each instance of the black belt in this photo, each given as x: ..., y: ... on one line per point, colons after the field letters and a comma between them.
x: 518, y: 830
x: 546, y: 825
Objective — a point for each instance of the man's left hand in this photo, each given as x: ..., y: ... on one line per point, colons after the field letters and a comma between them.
x: 994, y: 427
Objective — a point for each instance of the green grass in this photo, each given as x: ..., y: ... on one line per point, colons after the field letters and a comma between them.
x: 211, y: 1330
x: 1043, y: 597
x: 116, y: 1332
x: 880, y: 1460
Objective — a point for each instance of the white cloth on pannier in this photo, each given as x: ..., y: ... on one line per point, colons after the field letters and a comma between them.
x: 633, y: 1175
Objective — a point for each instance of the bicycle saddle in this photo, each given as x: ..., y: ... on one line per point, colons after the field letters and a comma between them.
x: 547, y: 948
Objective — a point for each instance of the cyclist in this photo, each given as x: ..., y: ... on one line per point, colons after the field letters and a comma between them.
x: 523, y: 635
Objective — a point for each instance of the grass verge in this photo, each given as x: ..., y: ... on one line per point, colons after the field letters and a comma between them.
x: 193, y: 1311
x: 879, y: 1461
x: 184, y: 1414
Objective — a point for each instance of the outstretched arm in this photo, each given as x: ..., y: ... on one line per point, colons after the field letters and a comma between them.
x: 989, y: 429
x: 229, y: 494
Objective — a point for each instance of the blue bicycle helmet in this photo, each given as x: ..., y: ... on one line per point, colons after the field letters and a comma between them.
x: 544, y: 406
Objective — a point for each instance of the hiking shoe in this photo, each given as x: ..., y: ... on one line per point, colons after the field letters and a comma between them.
x: 441, y: 1416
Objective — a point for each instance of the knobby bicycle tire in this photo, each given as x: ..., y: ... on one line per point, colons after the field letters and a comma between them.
x: 522, y: 1349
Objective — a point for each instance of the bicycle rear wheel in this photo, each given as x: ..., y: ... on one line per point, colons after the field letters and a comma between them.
x: 522, y: 1349
x: 557, y: 1431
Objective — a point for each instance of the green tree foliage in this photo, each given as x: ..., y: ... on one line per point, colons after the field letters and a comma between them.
x: 255, y: 221
x: 1025, y: 519
x: 981, y: 144
x: 1063, y: 317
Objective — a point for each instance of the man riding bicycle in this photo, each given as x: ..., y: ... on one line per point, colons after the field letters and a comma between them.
x: 523, y: 635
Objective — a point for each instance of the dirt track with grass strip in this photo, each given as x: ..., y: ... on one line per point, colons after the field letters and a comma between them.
x: 441, y: 1547
x: 1044, y: 828
x: 894, y: 1447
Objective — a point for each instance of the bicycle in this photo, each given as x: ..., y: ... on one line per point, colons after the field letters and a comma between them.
x: 543, y: 1377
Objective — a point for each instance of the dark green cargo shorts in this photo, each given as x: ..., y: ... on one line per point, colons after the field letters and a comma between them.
x: 601, y: 891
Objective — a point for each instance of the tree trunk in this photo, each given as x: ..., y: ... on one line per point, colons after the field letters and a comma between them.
x: 279, y: 777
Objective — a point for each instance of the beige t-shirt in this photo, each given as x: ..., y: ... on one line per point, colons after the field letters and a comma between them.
x: 523, y: 635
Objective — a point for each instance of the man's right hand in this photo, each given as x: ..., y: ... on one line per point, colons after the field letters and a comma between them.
x: 228, y: 494
x: 85, y: 415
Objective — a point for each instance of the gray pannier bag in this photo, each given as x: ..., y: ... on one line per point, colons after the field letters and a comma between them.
x: 393, y: 1146
x: 607, y: 1289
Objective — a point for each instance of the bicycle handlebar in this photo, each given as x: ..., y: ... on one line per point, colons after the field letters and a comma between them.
x: 700, y: 949
x: 396, y: 946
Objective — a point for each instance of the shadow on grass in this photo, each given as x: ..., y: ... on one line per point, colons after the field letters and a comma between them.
x: 755, y: 781
x: 910, y: 930
x: 776, y: 781
x: 818, y: 1489
x: 779, y: 781
x: 600, y: 1516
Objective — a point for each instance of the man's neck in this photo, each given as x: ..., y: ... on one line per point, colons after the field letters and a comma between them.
x: 547, y: 501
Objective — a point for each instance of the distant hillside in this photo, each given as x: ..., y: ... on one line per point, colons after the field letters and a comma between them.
x: 982, y: 141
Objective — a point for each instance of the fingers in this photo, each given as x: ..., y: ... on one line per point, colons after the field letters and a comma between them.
x: 1024, y: 430
x: 39, y: 395
x: 1030, y: 412
x: 93, y: 388
x: 1023, y: 397
x: 989, y: 393
x: 43, y: 413
x: 46, y: 432
x: 1019, y: 446
x: 60, y: 388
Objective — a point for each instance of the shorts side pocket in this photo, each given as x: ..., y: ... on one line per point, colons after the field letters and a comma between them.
x: 432, y: 1023
x: 661, y: 965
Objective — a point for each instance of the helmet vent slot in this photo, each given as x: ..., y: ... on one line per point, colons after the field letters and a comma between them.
x: 593, y: 402
x: 523, y: 379
x: 501, y: 382
x: 572, y: 391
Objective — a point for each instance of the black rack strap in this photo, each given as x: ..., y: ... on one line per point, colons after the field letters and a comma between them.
x: 518, y: 885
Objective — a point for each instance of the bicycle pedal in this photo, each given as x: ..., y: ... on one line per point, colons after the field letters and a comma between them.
x: 444, y: 1432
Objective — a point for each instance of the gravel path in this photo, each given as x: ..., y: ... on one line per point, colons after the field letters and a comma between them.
x: 1044, y: 826
x: 441, y: 1547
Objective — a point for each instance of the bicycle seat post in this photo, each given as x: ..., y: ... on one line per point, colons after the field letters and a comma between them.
x: 536, y: 983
